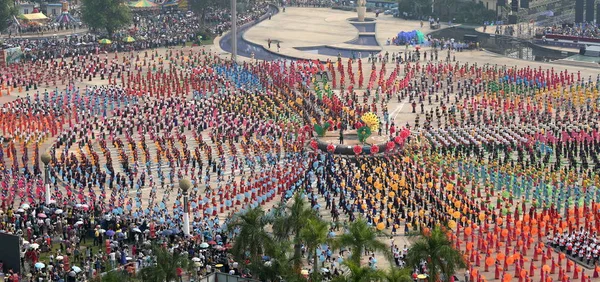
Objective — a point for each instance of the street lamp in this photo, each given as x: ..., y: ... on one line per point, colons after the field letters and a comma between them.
x: 46, y: 158
x: 233, y: 30
x: 185, y: 185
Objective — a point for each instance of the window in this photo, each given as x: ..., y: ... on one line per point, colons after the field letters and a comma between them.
x: 25, y: 11
x: 53, y: 11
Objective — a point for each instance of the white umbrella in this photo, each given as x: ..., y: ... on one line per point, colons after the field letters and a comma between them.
x: 128, y: 258
x: 59, y: 258
x: 195, y: 259
x: 20, y: 210
x: 58, y: 211
x: 25, y: 206
x: 77, y: 269
x: 79, y: 222
x: 34, y: 246
x: 204, y: 245
x: 198, y: 264
x: 136, y: 230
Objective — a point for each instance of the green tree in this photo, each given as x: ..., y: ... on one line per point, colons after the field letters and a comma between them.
x: 109, y: 15
x: 7, y: 11
x: 252, y: 239
x: 165, y: 268
x: 359, y: 274
x: 279, y: 267
x: 290, y: 221
x: 313, y: 234
x: 202, y: 7
x: 360, y: 237
x: 418, y: 8
x: 436, y: 249
x: 395, y: 274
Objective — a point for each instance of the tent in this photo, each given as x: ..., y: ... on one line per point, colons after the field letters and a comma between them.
x: 65, y: 18
x: 34, y: 17
x: 170, y: 3
x: 414, y: 36
x: 142, y: 4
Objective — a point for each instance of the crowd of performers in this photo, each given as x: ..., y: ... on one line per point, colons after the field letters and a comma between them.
x: 240, y: 134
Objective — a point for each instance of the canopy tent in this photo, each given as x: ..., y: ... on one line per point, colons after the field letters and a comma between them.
x: 34, y: 17
x: 142, y: 4
x: 414, y: 36
x: 169, y: 3
x: 65, y: 17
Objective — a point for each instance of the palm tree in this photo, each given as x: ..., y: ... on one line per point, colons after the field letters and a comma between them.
x: 395, y: 274
x: 436, y: 249
x: 280, y: 265
x: 314, y: 234
x: 166, y: 265
x: 252, y: 237
x: 359, y: 274
x: 360, y: 237
x: 290, y: 221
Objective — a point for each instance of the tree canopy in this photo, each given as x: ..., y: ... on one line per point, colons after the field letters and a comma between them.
x: 109, y: 15
x: 7, y: 10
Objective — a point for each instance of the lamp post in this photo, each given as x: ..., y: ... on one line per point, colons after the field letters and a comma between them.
x: 46, y: 158
x: 185, y: 185
x: 233, y: 30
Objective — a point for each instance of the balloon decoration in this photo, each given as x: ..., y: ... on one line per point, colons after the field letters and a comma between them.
x: 330, y: 148
x: 357, y: 149
x: 374, y: 149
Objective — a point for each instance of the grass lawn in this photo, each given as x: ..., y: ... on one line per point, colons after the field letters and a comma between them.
x: 45, y: 257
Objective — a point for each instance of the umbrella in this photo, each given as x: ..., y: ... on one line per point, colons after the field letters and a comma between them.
x: 136, y: 230
x: 105, y: 41
x: 20, y: 210
x: 34, y: 246
x: 79, y: 222
x: 39, y: 265
x: 218, y: 265
x: 25, y: 206
x: 42, y: 215
x: 212, y: 242
x: 77, y: 269
x: 59, y: 258
x: 324, y: 270
x: 204, y: 245
x: 266, y: 257
x: 197, y: 264
x: 129, y: 39
x: 195, y: 259
x: 101, y: 230
x: 58, y: 211
x: 110, y: 233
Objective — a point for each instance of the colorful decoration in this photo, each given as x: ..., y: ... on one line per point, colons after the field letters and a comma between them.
x: 371, y: 120
x: 363, y: 133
